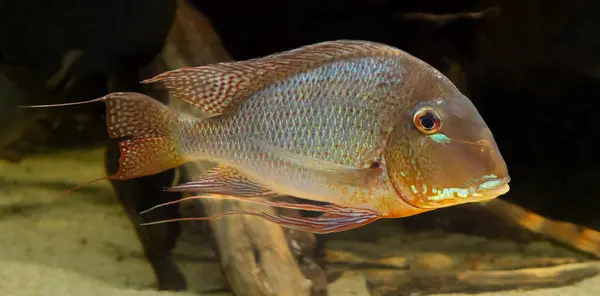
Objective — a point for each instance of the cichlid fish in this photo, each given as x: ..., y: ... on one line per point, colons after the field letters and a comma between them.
x: 365, y: 127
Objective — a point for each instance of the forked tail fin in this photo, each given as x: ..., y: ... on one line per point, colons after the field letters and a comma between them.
x: 151, y: 146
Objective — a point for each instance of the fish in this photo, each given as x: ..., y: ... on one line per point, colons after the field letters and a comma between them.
x: 367, y: 129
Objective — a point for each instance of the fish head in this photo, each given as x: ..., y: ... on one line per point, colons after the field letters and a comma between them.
x: 440, y: 153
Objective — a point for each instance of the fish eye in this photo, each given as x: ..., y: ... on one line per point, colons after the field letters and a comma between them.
x: 427, y: 121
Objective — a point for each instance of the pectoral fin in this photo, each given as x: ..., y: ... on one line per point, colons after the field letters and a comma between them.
x: 326, y: 223
x: 224, y: 180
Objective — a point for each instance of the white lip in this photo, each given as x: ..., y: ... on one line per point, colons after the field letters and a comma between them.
x: 488, y: 194
x: 490, y: 188
x: 479, y: 190
x: 497, y: 190
x: 486, y: 189
x: 493, y: 185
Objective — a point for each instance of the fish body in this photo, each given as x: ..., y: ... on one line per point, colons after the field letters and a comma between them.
x: 364, y: 126
x: 341, y: 124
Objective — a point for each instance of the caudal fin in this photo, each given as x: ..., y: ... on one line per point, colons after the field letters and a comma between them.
x: 150, y: 146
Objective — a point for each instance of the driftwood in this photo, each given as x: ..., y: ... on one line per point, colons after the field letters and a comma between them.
x: 431, y: 273
x: 254, y: 253
x: 497, y: 269
x: 441, y: 20
x: 381, y: 283
x: 305, y: 248
x: 576, y: 237
x: 258, y: 257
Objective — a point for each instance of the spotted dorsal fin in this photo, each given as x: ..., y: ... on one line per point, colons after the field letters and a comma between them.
x: 215, y: 88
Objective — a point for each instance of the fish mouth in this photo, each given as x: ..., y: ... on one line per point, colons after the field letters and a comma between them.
x: 489, y: 188
x: 480, y: 190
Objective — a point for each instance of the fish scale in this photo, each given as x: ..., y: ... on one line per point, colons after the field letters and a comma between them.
x: 322, y: 118
x: 330, y: 124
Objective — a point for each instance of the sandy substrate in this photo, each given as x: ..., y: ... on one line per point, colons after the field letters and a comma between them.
x: 83, y: 244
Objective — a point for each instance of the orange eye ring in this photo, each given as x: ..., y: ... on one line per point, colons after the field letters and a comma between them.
x: 427, y: 121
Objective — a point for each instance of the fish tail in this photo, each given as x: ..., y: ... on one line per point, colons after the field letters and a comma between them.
x: 152, y: 145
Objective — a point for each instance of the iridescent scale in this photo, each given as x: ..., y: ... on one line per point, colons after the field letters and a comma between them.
x: 333, y: 113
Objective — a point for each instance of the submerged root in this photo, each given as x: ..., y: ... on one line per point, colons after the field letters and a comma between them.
x: 401, y: 282
x: 582, y: 239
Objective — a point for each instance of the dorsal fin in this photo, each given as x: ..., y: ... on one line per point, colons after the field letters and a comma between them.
x: 214, y: 88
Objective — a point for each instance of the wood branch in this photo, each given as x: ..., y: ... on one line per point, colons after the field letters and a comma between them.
x: 349, y: 260
x: 345, y: 260
x: 304, y: 247
x: 576, y: 237
x: 441, y: 20
x: 255, y: 254
x: 432, y: 273
x: 400, y: 282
